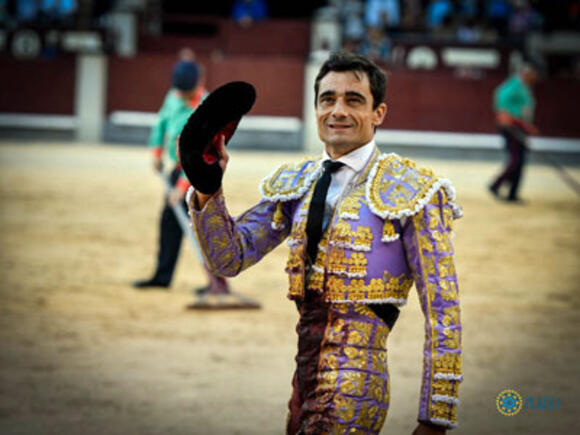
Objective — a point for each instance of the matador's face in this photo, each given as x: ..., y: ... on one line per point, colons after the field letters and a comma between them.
x: 344, y: 112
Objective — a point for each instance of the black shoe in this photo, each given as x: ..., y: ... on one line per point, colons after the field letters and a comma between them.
x: 148, y: 283
x: 201, y: 290
x: 494, y: 191
x: 515, y: 200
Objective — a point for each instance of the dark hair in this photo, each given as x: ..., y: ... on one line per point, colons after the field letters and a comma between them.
x: 342, y: 61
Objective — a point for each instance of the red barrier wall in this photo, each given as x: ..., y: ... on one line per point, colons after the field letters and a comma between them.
x: 37, y: 86
x: 141, y: 83
x: 417, y: 100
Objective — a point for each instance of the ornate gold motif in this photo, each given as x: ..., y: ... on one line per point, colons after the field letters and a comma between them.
x: 398, y: 186
x: 444, y: 411
x: 353, y: 290
x: 290, y: 181
x: 389, y: 232
x: 278, y: 217
x: 448, y: 363
x: 358, y: 264
x: 352, y: 382
x: 350, y: 206
x: 445, y: 387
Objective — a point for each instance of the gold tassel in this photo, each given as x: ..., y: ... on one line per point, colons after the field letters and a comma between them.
x: 388, y: 231
x: 278, y: 218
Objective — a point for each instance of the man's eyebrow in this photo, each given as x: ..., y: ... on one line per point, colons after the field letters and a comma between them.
x: 331, y: 93
x: 327, y: 94
x: 355, y: 94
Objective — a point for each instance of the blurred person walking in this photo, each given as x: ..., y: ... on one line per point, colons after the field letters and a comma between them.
x: 514, y: 105
x: 186, y: 94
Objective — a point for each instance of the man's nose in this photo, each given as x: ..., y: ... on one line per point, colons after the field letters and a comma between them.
x: 339, y: 108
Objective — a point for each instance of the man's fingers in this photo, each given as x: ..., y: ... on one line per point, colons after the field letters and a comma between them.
x: 224, y: 157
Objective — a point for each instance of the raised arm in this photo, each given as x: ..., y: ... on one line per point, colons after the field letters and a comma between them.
x: 231, y: 245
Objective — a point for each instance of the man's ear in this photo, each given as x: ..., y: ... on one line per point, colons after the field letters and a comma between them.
x: 380, y: 113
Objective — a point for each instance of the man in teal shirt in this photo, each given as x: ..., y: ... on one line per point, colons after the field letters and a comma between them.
x: 514, y: 106
x: 180, y: 102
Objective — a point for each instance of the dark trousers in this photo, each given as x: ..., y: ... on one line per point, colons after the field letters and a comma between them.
x: 170, y: 235
x: 512, y: 173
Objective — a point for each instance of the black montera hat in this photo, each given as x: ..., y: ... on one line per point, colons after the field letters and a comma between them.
x: 218, y: 114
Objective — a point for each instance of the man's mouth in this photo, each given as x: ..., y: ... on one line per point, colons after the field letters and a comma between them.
x: 335, y: 126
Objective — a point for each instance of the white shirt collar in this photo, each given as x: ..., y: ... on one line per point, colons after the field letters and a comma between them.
x: 356, y: 159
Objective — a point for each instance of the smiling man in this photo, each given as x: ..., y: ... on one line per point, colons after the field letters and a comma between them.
x: 362, y: 228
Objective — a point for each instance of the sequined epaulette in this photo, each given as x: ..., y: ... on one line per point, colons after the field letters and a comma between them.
x: 291, y: 180
x: 397, y: 188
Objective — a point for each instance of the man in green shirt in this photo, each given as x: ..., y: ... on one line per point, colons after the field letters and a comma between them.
x: 180, y: 102
x: 514, y: 106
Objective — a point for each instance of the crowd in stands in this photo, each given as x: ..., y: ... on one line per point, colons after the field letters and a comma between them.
x: 369, y: 25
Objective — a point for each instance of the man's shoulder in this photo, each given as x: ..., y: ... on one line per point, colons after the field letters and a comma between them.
x: 290, y: 180
x: 397, y: 187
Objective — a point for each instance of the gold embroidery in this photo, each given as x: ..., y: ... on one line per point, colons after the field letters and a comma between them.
x: 445, y: 387
x: 289, y: 180
x: 350, y: 206
x: 345, y: 407
x: 398, y: 185
x: 388, y: 230
x: 358, y: 264
x: 382, y: 416
x: 451, y: 314
x: 360, y: 333
x: 352, y: 382
x: 448, y: 363
x: 363, y: 236
x: 278, y: 217
x: 377, y: 388
x: 339, y: 289
x: 366, y: 415
x: 444, y: 411
x: 356, y: 357
x: 337, y: 261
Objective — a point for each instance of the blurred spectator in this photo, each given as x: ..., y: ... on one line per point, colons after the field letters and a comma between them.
x: 376, y: 45
x: 524, y: 19
x: 58, y: 11
x: 26, y: 10
x: 3, y: 10
x: 350, y: 14
x: 245, y: 12
x: 381, y: 13
x: 412, y: 14
x: 498, y: 13
x: 437, y: 12
x: 468, y: 32
x: 468, y: 8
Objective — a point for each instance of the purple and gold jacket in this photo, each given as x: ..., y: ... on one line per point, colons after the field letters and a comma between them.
x: 390, y: 228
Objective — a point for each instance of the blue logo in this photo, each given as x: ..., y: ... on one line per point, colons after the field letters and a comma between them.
x: 509, y: 403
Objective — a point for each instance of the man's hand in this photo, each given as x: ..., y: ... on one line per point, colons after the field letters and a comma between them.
x: 157, y: 163
x: 203, y: 198
x: 176, y: 196
x: 424, y: 429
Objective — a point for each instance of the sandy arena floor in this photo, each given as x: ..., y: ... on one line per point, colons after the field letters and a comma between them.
x: 82, y: 352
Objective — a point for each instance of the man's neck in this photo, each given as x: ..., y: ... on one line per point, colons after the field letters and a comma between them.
x: 337, y: 152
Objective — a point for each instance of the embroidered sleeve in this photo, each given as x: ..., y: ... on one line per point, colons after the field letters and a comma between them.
x: 430, y: 256
x: 230, y: 245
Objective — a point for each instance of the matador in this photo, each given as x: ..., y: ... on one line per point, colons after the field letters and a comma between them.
x: 362, y: 227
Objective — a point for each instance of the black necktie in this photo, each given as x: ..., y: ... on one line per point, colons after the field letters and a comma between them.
x: 316, y: 210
